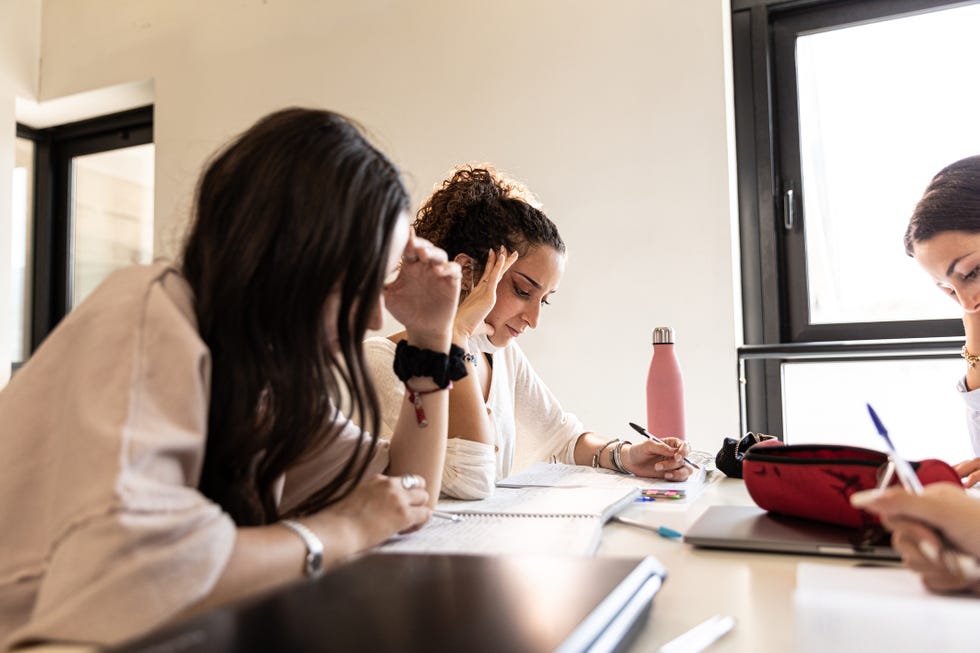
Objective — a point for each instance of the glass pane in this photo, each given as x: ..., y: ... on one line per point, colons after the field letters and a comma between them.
x: 21, y: 246
x: 112, y: 215
x: 883, y: 107
x: 916, y: 399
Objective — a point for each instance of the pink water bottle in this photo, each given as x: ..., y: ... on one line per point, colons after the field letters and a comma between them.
x: 665, y: 388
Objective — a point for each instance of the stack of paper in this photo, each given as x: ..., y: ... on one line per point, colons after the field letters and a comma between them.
x: 879, y: 609
x: 559, y: 475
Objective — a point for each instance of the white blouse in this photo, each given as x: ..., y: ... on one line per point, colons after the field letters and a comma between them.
x: 971, y: 399
x: 518, y: 402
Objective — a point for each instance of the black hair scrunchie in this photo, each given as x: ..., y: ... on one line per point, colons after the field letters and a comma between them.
x: 442, y: 368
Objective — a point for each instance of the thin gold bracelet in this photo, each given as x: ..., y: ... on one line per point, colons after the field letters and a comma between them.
x: 971, y: 359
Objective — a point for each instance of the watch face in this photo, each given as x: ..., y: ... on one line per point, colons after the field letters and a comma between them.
x: 314, y: 564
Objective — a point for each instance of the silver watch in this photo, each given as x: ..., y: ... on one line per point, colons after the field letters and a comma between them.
x: 313, y: 566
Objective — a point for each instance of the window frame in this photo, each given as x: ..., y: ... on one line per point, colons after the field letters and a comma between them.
x: 54, y: 149
x: 775, y: 300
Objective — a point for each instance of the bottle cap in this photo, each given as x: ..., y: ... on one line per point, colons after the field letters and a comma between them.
x: 663, y: 336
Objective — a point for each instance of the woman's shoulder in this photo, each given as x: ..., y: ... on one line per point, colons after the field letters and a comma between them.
x: 513, y: 356
x: 379, y: 345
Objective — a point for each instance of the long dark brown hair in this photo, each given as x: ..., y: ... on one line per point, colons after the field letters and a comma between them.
x: 297, y: 208
x: 951, y: 202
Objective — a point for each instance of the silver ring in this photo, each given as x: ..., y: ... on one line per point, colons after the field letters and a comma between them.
x: 410, y: 259
x: 411, y: 481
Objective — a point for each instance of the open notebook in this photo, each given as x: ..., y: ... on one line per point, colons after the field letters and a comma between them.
x: 559, y: 475
x: 520, y: 520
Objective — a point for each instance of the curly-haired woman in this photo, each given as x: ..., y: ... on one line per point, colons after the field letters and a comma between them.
x: 502, y: 416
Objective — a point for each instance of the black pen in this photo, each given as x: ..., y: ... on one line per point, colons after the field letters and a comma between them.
x: 650, y: 436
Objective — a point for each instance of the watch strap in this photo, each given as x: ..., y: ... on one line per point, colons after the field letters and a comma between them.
x: 313, y: 565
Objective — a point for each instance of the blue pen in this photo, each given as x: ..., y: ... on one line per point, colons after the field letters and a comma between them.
x: 906, y: 475
x: 957, y: 563
x: 662, y: 531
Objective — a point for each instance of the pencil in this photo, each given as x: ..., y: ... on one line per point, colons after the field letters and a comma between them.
x: 650, y: 436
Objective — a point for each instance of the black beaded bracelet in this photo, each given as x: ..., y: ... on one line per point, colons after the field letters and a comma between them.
x: 442, y: 368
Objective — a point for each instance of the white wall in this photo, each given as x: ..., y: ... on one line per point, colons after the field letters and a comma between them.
x: 20, y: 25
x: 615, y: 114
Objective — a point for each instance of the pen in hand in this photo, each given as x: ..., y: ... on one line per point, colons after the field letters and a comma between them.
x: 956, y: 562
x: 650, y: 436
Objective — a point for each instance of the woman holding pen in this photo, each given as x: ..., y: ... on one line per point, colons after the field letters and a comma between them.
x: 944, y: 238
x: 512, y: 259
x: 179, y: 441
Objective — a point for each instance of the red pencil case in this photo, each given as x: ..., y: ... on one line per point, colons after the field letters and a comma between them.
x: 816, y: 481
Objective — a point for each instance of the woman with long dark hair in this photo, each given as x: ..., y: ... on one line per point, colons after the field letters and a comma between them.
x: 179, y: 440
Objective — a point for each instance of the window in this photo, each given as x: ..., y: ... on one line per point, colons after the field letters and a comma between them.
x: 94, y: 209
x: 840, y: 123
x: 111, y: 215
x: 21, y: 244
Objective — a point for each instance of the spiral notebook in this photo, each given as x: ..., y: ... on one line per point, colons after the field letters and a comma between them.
x: 543, y: 474
x: 528, y: 520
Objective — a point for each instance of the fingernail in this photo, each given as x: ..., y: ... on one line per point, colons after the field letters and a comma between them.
x: 658, y: 467
x: 668, y: 475
x: 863, y: 498
x: 929, y: 550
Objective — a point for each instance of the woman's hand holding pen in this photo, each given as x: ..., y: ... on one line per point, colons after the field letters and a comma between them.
x: 658, y: 460
x: 919, y: 525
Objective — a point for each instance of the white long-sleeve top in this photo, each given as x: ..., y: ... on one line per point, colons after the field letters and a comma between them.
x: 971, y: 398
x: 518, y: 402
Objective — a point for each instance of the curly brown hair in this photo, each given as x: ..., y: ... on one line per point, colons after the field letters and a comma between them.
x: 478, y: 209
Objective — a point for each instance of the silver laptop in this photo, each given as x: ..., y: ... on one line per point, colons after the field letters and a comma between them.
x: 748, y: 528
x: 416, y: 603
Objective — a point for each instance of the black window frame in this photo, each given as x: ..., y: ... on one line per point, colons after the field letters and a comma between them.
x: 776, y: 324
x: 54, y: 149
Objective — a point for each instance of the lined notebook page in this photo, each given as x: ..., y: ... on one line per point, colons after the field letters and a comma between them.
x: 542, y: 474
x: 556, y: 520
x: 489, y: 535
x: 596, y: 502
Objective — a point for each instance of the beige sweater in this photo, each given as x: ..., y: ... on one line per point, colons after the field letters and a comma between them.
x: 102, y: 438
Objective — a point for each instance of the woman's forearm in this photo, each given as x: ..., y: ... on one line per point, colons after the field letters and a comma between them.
x: 971, y: 326
x: 417, y: 447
